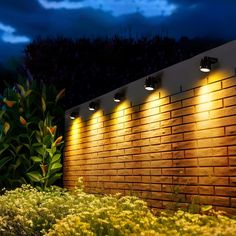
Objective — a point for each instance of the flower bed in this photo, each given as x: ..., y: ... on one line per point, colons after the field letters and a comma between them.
x: 57, y: 212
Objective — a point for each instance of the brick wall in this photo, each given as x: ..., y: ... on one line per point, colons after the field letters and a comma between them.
x: 179, y: 148
x: 171, y: 147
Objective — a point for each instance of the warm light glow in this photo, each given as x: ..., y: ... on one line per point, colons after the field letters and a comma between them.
x: 123, y: 105
x: 149, y: 88
x: 205, y: 70
x: 94, y: 117
x: 74, y: 133
x: 153, y: 96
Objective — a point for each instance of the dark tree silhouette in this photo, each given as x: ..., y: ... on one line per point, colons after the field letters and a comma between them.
x: 88, y: 68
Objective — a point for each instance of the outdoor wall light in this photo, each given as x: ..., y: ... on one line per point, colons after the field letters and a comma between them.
x: 118, y: 97
x: 93, y: 106
x: 74, y: 115
x: 206, y: 62
x: 151, y: 83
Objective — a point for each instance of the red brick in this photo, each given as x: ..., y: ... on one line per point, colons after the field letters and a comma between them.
x: 230, y: 130
x: 213, y: 161
x: 230, y: 101
x: 232, y: 150
x: 185, y: 163
x: 228, y: 111
x: 212, y: 180
x: 201, y: 171
x: 171, y: 106
x: 184, y: 145
x: 172, y: 138
x: 225, y: 191
x: 183, y: 95
x: 183, y: 111
x: 229, y: 82
x: 225, y: 171
x: 173, y: 171
x: 161, y: 163
x: 185, y: 180
x: 212, y: 105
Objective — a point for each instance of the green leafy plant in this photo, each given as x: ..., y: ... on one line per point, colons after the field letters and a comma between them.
x: 30, y: 142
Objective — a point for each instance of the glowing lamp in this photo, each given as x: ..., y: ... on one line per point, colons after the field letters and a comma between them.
x: 74, y: 115
x: 151, y: 83
x: 118, y: 97
x: 93, y: 106
x: 206, y: 62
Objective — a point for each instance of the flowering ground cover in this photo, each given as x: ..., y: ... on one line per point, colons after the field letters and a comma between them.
x: 57, y: 212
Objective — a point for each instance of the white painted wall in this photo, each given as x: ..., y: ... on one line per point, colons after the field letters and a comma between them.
x: 185, y: 74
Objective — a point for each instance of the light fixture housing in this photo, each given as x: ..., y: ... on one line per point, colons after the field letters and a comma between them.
x: 206, y: 62
x: 74, y: 115
x: 151, y: 83
x: 118, y: 97
x: 93, y: 106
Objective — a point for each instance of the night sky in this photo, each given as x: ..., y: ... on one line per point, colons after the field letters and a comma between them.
x: 23, y: 20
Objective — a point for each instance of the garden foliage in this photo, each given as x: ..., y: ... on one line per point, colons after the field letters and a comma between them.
x: 30, y: 145
x: 58, y: 212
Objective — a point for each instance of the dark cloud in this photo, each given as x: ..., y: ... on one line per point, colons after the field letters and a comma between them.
x: 193, y: 18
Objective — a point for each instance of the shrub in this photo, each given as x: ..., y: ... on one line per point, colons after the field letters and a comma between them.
x: 30, y: 146
x: 58, y: 212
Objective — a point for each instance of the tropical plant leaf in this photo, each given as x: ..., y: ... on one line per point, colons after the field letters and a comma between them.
x: 56, y: 166
x: 28, y: 92
x: 47, y: 140
x: 4, y: 148
x: 55, y: 158
x: 40, y: 150
x: 6, y: 127
x: 34, y: 176
x: 60, y: 95
x: 43, y: 104
x: 22, y: 90
x: 36, y: 159
x: 4, y: 161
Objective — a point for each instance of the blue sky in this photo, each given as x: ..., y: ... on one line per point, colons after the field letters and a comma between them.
x: 23, y: 20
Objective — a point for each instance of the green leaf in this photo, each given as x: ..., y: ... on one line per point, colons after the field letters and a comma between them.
x: 43, y: 104
x: 36, y: 159
x: 6, y: 127
x: 47, y: 140
x: 4, y: 161
x: 55, y: 167
x: 27, y: 145
x: 5, y: 147
x: 18, y: 148
x: 53, y: 178
x: 60, y: 94
x: 55, y: 158
x: 40, y: 150
x: 21, y: 88
x: 28, y: 92
x: 34, y: 176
